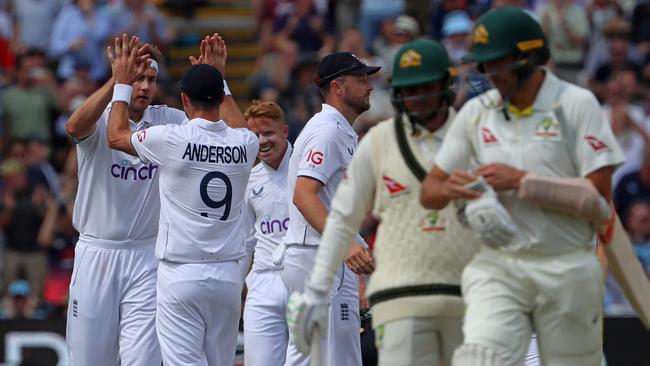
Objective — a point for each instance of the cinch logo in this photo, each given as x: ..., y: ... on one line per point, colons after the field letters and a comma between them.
x: 127, y: 171
x: 268, y: 226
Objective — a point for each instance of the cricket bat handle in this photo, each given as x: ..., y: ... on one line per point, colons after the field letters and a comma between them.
x: 315, y: 354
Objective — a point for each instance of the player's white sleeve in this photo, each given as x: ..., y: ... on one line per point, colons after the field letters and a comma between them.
x: 151, y: 144
x: 456, y: 150
x: 595, y: 145
x: 322, y: 155
x: 351, y: 203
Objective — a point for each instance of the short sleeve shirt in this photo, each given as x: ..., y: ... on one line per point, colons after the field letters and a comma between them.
x: 322, y: 151
x: 566, y: 135
x: 117, y: 197
x: 204, y: 170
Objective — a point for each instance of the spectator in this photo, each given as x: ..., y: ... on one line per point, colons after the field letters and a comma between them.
x: 58, y: 237
x: 372, y: 13
x: 599, y: 12
x: 443, y: 8
x: 33, y: 21
x: 615, y: 54
x: 28, y: 106
x: 303, y: 25
x: 627, y: 120
x: 456, y: 30
x: 566, y: 26
x: 21, y: 214
x: 399, y: 32
x: 633, y: 187
x: 135, y: 17
x: 77, y: 41
x: 19, y: 304
x: 637, y: 224
x: 40, y: 171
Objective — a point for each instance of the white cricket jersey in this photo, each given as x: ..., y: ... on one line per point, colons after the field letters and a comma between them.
x: 117, y: 198
x: 204, y: 169
x: 268, y: 211
x: 565, y: 135
x: 322, y: 151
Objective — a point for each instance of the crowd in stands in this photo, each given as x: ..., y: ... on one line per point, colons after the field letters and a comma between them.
x: 52, y: 56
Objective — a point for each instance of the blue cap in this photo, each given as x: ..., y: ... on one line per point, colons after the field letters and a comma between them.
x: 456, y: 22
x: 19, y: 288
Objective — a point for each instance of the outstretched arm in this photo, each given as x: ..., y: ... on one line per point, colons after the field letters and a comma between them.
x: 127, y: 67
x: 214, y: 52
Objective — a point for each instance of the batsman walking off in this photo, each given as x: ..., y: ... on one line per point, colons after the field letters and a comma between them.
x: 513, y: 153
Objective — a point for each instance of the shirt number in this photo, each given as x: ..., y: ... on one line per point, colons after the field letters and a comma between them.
x: 227, y: 199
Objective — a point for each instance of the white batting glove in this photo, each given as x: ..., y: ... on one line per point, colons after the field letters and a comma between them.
x: 487, y: 217
x: 305, y: 311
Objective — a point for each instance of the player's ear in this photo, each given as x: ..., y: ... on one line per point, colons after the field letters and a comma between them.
x: 285, y: 131
x: 186, y: 101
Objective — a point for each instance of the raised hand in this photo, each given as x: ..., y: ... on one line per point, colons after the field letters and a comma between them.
x: 128, y: 60
x: 213, y: 52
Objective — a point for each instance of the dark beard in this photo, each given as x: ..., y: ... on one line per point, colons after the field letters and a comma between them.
x: 359, y: 106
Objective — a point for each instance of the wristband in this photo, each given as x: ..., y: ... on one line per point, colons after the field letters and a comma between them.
x: 122, y: 93
x: 226, y: 90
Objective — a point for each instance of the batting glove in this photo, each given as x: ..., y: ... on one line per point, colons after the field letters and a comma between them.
x: 306, y: 311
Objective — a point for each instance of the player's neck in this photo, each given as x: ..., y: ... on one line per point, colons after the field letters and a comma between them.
x: 347, y: 112
x: 527, y: 92
x: 135, y: 116
x: 211, y: 115
x: 437, y: 121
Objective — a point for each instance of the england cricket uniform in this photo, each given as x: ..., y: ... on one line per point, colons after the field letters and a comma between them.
x: 265, y: 327
x: 548, y: 278
x: 204, y: 169
x: 322, y: 152
x: 419, y: 253
x: 111, y: 312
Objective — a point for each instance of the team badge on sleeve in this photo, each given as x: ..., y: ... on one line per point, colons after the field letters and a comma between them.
x: 596, y: 143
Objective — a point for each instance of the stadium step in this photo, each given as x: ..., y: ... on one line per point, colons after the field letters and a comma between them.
x: 235, y: 21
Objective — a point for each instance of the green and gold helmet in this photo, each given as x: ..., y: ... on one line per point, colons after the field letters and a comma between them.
x: 421, y: 61
x: 504, y: 31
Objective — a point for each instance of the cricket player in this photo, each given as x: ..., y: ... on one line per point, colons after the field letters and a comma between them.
x: 316, y: 167
x: 513, y: 153
x: 420, y: 253
x: 266, y: 336
x: 204, y: 168
x: 113, y: 287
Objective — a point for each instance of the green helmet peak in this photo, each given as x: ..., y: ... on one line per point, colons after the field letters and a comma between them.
x: 504, y: 31
x: 420, y: 61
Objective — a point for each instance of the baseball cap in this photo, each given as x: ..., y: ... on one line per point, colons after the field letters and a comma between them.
x: 203, y: 83
x: 338, y: 64
x: 456, y: 22
x: 405, y: 24
x: 19, y: 288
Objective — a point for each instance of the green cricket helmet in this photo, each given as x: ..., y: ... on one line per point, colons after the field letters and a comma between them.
x: 505, y: 31
x: 421, y: 61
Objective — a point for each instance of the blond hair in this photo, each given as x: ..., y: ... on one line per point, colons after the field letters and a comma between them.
x: 265, y: 109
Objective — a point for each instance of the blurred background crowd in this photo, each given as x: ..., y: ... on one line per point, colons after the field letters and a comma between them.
x: 52, y: 57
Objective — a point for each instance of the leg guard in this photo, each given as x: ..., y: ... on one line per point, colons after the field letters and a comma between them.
x: 476, y: 355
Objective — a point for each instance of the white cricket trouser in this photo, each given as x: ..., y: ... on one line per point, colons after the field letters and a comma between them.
x: 198, y: 312
x: 418, y: 341
x: 112, y: 307
x: 266, y: 335
x: 508, y: 295
x: 343, y: 342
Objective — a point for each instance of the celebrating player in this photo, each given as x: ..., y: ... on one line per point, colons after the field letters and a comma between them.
x: 317, y: 166
x: 204, y: 167
x: 116, y: 210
